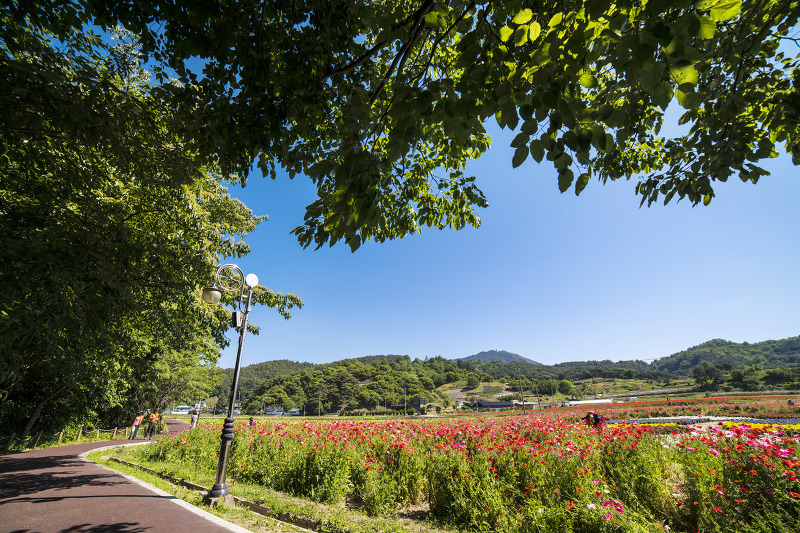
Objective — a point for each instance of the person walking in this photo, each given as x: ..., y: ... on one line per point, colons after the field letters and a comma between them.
x: 151, y: 427
x: 137, y: 421
x: 194, y: 414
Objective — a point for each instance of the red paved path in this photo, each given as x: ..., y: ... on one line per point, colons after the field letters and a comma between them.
x: 54, y: 490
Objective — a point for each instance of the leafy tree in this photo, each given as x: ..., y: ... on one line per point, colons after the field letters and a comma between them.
x: 172, y: 377
x: 109, y: 224
x: 787, y: 377
x: 565, y: 387
x: 381, y: 104
x: 748, y: 378
x: 548, y: 386
x: 473, y: 381
x: 707, y: 376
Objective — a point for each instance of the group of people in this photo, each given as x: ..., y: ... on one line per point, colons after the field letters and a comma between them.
x: 150, y: 430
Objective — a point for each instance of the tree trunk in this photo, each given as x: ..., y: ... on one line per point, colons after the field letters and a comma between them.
x: 36, y: 412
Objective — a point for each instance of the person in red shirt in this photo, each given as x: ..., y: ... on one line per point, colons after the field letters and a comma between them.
x: 137, y: 421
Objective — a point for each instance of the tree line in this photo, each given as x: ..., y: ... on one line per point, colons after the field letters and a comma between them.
x: 377, y: 382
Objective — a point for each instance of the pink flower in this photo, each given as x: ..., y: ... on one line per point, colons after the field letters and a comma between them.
x: 608, y: 516
x: 712, y: 451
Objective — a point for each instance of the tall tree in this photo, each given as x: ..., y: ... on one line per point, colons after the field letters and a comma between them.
x: 109, y: 225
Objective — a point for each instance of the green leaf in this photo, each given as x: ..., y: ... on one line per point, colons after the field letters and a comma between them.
x: 565, y: 178
x: 436, y: 19
x: 688, y: 100
x: 688, y: 25
x: 598, y: 137
x: 683, y: 72
x: 523, y: 17
x: 707, y: 199
x: 648, y: 80
x: 520, y: 155
x: 520, y: 140
x: 432, y: 18
x: 556, y: 20
x: 521, y: 36
x: 587, y: 80
x: 583, y: 181
x: 707, y: 27
x: 535, y: 29
x: 562, y: 161
x: 537, y: 150
x: 705, y: 5
x: 506, y: 33
x: 596, y: 8
x: 726, y: 10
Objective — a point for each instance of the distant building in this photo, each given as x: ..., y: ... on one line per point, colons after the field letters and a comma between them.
x: 491, y: 406
x: 574, y: 403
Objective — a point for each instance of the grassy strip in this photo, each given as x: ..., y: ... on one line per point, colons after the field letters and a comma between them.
x: 254, y: 502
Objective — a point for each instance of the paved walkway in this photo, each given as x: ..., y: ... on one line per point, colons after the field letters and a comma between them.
x: 54, y: 490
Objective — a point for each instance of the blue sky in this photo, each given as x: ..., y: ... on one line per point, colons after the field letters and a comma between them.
x: 550, y: 276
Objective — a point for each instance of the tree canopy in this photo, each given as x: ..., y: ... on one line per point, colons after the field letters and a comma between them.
x: 109, y: 223
x: 381, y: 104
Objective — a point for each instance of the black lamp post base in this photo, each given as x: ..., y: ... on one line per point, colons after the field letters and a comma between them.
x: 225, y: 500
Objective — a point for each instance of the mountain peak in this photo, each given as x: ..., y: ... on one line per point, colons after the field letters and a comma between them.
x: 499, y: 355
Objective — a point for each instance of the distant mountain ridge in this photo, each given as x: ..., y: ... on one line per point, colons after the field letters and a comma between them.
x: 498, y: 355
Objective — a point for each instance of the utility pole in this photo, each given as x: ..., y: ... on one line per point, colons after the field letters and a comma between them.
x: 521, y: 394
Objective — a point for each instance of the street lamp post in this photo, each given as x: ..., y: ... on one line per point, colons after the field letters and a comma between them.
x: 229, y: 278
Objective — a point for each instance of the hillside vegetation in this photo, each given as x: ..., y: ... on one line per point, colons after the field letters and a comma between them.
x: 396, y: 382
x: 766, y: 354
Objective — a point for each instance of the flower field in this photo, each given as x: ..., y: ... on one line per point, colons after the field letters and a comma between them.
x: 522, y: 473
x: 748, y: 407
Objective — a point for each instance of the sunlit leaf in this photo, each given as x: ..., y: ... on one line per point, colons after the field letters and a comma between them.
x: 523, y: 17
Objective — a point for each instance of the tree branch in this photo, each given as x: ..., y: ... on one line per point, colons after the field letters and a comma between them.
x: 355, y: 64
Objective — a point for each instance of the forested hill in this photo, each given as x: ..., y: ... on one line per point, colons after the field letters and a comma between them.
x: 252, y: 376
x: 376, y: 380
x: 719, y: 352
x: 499, y: 355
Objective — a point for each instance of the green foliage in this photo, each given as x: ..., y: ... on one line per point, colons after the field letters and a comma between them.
x: 110, y: 224
x: 381, y: 104
x: 766, y: 354
x: 707, y: 376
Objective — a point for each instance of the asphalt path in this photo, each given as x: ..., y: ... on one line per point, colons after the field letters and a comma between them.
x: 55, y: 490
